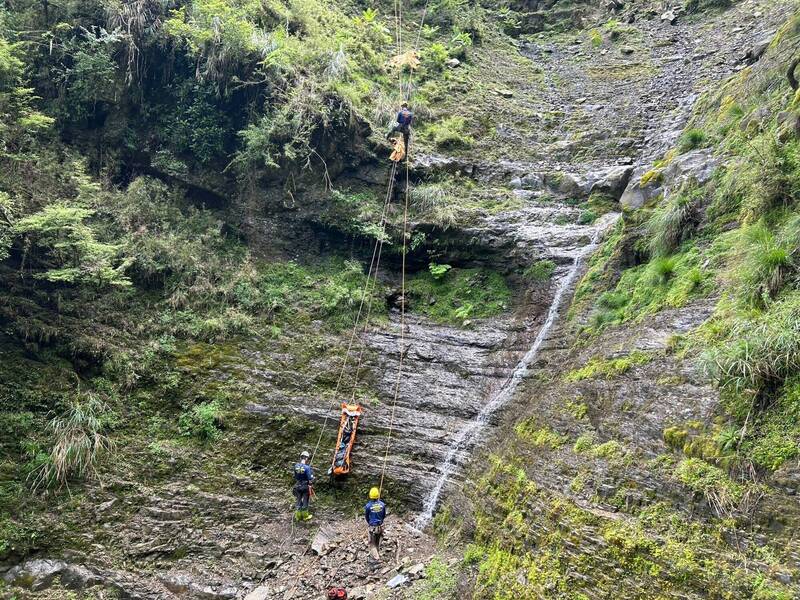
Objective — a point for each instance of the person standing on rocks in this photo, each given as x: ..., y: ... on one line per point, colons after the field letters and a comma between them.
x: 375, y: 513
x: 304, y: 480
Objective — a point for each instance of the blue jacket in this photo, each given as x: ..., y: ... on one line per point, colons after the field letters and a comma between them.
x: 303, y: 473
x: 405, y: 117
x: 375, y: 512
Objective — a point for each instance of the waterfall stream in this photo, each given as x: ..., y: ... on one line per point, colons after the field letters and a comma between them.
x: 467, y: 436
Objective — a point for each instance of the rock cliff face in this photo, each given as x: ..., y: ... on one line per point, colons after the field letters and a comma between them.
x: 602, y: 114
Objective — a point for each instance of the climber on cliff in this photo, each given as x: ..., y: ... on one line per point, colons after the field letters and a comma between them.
x: 304, y: 480
x: 375, y: 513
x: 404, y: 120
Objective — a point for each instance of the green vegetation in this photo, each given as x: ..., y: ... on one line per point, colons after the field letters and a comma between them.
x: 663, y: 548
x: 436, y: 203
x: 695, y: 6
x: 691, y: 139
x: 674, y: 221
x: 450, y: 133
x: 203, y: 421
x: 540, y: 271
x: 440, y: 581
x: 608, y: 368
x: 720, y: 490
x: 540, y: 437
x: 450, y: 295
x: 78, y: 444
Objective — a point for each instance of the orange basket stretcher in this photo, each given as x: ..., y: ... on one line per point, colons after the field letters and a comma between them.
x: 348, y: 426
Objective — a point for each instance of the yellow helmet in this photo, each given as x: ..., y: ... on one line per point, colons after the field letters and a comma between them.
x: 374, y: 494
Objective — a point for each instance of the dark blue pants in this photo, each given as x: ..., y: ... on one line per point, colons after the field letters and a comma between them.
x: 301, y: 493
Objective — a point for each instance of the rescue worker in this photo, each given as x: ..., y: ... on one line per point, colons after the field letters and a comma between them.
x: 304, y: 480
x: 404, y: 120
x: 375, y: 513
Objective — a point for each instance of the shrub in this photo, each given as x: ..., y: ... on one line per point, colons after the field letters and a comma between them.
x: 608, y: 450
x: 775, y: 437
x: 761, y: 350
x: 539, y: 437
x: 584, y: 443
x: 768, y: 260
x: 438, y: 271
x: 440, y: 581
x: 435, y: 56
x: 436, y: 203
x: 600, y: 367
x: 78, y: 444
x: 587, y: 217
x: 674, y: 221
x: 541, y: 270
x: 612, y: 300
x: 7, y: 209
x: 722, y: 493
x: 451, y: 133
x: 663, y: 268
x: 691, y: 139
x: 202, y: 421
x: 68, y: 249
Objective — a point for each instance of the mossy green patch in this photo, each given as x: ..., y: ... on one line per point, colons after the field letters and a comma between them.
x: 539, y: 437
x: 459, y: 295
x: 540, y: 271
x: 608, y: 368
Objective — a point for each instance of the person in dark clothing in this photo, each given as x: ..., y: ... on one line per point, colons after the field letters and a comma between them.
x: 375, y: 513
x: 404, y: 120
x: 304, y: 479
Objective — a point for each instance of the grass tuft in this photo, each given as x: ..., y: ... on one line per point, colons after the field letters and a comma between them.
x: 78, y: 445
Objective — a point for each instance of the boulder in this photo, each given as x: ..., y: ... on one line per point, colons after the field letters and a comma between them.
x: 636, y: 194
x: 427, y: 164
x: 184, y: 583
x: 397, y: 581
x: 260, y: 593
x: 36, y: 575
x: 788, y: 125
x: 323, y: 541
x: 360, y: 593
x: 697, y: 164
x: 755, y: 119
x: 78, y: 577
x: 671, y: 16
x: 607, y: 180
x: 611, y: 181
x: 531, y: 182
x: 756, y: 51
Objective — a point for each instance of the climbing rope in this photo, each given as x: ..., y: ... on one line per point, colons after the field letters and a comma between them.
x: 366, y: 296
x: 402, y: 328
x: 372, y: 274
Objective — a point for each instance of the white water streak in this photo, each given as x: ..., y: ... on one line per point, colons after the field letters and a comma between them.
x: 466, y: 437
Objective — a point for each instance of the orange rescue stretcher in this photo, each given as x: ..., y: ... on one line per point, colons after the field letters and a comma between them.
x: 348, y: 426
